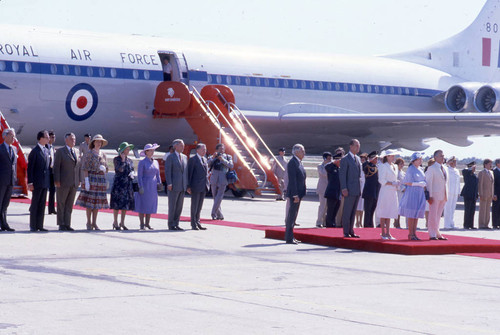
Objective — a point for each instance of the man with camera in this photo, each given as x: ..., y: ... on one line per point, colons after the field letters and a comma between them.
x: 219, y: 165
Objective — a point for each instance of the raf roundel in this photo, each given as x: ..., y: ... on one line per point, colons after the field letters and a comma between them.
x: 81, y: 102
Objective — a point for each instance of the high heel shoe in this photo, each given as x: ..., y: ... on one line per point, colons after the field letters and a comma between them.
x: 94, y: 225
x: 122, y: 226
x: 141, y: 227
x: 89, y: 226
x: 115, y: 226
x: 148, y: 226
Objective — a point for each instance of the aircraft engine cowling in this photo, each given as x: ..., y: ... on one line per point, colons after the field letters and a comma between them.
x: 460, y: 98
x: 487, y: 98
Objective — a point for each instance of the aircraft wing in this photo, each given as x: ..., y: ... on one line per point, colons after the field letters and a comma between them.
x: 328, y: 127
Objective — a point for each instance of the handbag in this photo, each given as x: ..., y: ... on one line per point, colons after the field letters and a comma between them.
x: 426, y: 193
x: 231, y: 177
x: 135, y: 186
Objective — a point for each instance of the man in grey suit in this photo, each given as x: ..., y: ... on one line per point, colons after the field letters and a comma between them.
x: 197, y: 184
x: 219, y: 164
x: 176, y: 179
x: 66, y: 180
x: 8, y: 160
x: 350, y: 183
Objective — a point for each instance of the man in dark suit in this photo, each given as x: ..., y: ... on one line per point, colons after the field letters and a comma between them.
x: 66, y: 179
x: 295, y: 190
x: 470, y: 194
x: 52, y: 187
x: 38, y: 180
x: 333, y: 193
x: 371, y: 189
x: 495, y: 208
x: 350, y: 181
x: 176, y: 179
x: 8, y: 160
x: 197, y: 184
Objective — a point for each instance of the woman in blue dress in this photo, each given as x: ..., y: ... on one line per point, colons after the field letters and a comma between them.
x: 412, y: 203
x: 122, y: 192
x: 148, y: 178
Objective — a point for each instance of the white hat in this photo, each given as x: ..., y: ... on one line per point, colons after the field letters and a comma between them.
x: 390, y: 152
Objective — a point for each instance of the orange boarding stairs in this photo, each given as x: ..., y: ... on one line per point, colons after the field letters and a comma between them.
x: 21, y: 189
x: 215, y: 121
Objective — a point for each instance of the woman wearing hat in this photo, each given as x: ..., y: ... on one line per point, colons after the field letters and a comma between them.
x: 413, y: 200
x: 148, y: 177
x: 387, y: 203
x: 122, y: 192
x: 93, y: 195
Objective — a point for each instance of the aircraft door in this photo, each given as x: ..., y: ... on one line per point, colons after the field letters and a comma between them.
x: 179, y: 65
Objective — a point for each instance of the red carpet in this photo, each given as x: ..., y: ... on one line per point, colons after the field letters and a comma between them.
x: 370, y: 241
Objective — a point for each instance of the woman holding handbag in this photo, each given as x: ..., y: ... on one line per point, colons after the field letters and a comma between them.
x: 148, y: 178
x: 413, y: 201
x: 122, y: 193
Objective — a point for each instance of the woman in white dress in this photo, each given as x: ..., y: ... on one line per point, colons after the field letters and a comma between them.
x: 387, y: 203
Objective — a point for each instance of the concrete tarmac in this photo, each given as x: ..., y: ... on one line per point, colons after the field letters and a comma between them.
x: 229, y: 280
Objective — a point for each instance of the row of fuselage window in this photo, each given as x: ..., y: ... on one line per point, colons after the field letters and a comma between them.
x: 102, y: 72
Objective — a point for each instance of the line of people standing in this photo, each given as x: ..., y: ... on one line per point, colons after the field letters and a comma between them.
x: 68, y: 168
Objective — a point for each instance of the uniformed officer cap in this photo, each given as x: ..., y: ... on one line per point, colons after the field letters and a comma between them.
x: 471, y: 164
x: 281, y: 149
x: 372, y: 155
x: 327, y: 154
x: 338, y: 156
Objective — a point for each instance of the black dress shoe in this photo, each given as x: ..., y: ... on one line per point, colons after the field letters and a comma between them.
x: 347, y: 236
x: 34, y: 230
x: 220, y: 218
x: 178, y: 228
x: 485, y: 228
x: 194, y: 228
x: 63, y: 228
x: 7, y: 229
x: 292, y: 242
x: 355, y: 236
x: 214, y: 217
x: 433, y: 238
x: 442, y: 238
x: 296, y: 224
x: 43, y: 229
x: 200, y: 227
x: 172, y: 228
x: 68, y: 228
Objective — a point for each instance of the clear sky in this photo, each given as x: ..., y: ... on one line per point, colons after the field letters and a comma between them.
x: 363, y: 27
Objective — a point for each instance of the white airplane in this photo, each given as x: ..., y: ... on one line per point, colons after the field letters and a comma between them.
x: 101, y: 83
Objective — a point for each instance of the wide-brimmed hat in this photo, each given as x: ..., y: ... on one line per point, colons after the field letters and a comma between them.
x: 390, y: 152
x: 416, y: 155
x: 149, y: 146
x: 123, y: 146
x: 98, y: 137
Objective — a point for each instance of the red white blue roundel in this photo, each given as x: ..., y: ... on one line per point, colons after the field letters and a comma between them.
x: 81, y: 102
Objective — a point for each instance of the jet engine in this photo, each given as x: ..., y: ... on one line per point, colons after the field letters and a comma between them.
x: 460, y: 97
x: 487, y: 98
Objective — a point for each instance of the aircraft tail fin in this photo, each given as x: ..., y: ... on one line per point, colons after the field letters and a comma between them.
x: 473, y: 54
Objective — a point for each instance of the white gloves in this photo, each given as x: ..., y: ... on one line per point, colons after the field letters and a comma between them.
x: 87, y: 184
x: 102, y: 168
x: 419, y: 184
x: 131, y: 175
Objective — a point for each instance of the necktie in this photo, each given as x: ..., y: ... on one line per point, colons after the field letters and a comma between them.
x: 444, y: 174
x: 10, y: 153
x: 73, y: 154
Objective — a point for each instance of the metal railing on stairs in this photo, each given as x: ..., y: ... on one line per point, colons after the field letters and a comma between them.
x: 214, y: 116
